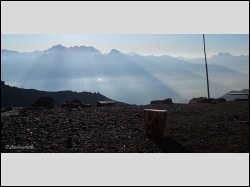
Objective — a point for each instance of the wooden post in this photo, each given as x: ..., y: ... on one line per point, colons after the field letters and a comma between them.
x: 155, y: 123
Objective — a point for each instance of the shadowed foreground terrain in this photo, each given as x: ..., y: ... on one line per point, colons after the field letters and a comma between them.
x: 198, y: 128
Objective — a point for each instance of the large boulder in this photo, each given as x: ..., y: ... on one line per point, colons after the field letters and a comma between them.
x: 48, y: 102
x: 165, y: 101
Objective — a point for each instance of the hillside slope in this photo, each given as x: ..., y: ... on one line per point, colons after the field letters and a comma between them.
x: 16, y: 97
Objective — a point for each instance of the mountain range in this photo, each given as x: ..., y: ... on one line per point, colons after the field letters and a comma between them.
x: 131, y: 78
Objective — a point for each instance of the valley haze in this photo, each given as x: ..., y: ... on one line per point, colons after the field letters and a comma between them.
x: 127, y: 77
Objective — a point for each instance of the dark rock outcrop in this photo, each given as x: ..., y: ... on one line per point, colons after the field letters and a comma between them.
x: 48, y: 102
x: 197, y: 100
x: 165, y: 101
x: 206, y: 100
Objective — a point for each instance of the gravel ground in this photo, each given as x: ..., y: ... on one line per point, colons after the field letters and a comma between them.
x: 194, y: 128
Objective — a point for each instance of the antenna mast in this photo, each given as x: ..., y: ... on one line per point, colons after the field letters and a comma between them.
x: 208, y: 93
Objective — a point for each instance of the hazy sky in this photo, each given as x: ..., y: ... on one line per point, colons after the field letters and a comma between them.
x: 185, y: 45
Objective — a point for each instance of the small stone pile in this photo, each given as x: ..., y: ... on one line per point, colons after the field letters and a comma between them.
x: 75, y: 104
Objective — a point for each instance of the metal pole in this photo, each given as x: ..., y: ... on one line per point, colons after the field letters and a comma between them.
x: 208, y: 93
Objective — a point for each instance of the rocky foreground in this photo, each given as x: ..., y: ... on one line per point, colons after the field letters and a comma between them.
x: 194, y: 128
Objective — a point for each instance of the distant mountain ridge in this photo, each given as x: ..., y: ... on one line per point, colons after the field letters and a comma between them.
x: 16, y: 97
x: 238, y: 63
x: 77, y: 51
x: 220, y: 55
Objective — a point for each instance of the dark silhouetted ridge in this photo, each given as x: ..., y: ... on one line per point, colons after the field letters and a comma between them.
x: 17, y: 97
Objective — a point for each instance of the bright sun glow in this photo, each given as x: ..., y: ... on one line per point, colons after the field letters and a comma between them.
x: 100, y: 79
